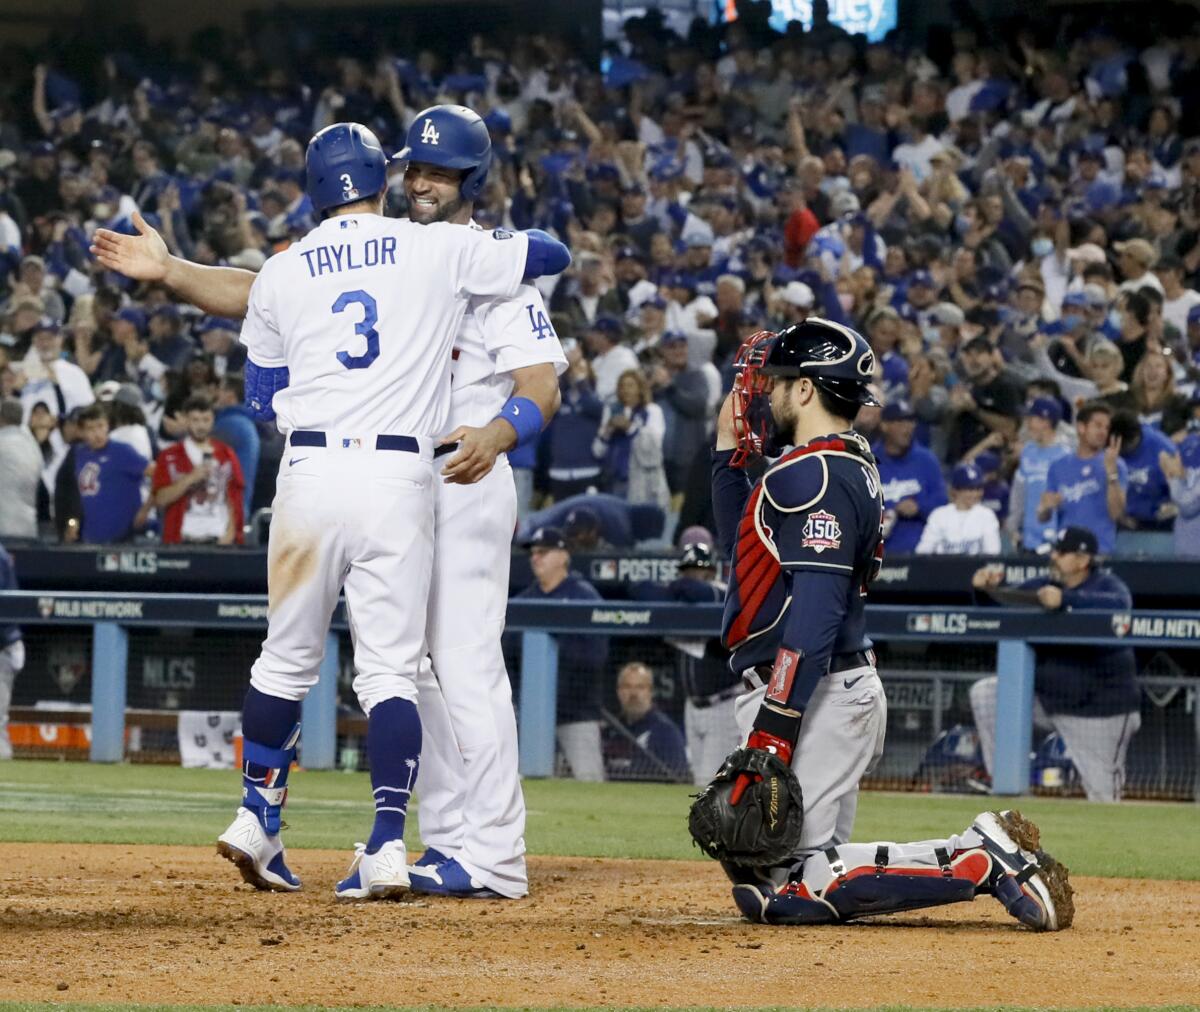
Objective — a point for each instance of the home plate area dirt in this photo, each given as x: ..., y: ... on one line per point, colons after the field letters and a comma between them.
x: 151, y: 924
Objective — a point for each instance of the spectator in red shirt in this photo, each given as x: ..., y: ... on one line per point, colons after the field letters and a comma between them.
x: 198, y: 483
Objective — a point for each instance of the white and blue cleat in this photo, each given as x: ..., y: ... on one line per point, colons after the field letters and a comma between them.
x: 431, y: 856
x: 379, y: 876
x: 257, y: 855
x: 1033, y: 887
x: 449, y: 878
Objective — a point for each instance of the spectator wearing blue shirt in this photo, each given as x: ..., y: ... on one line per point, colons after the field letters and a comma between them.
x: 644, y: 744
x: 1029, y: 482
x: 1089, y: 695
x: 911, y: 478
x: 12, y: 654
x: 572, y: 468
x: 582, y: 659
x: 1147, y: 498
x: 1183, y: 477
x: 109, y: 475
x: 234, y: 426
x: 1087, y: 488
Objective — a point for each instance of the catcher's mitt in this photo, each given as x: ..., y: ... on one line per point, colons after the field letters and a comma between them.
x: 763, y: 828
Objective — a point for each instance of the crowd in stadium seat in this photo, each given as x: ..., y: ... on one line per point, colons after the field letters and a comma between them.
x: 1011, y: 218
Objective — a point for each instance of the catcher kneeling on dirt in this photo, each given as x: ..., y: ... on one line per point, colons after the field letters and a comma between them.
x: 804, y: 543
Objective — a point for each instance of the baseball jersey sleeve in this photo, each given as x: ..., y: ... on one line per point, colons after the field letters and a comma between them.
x: 517, y: 332
x: 488, y: 263
x: 260, y: 331
x: 815, y: 517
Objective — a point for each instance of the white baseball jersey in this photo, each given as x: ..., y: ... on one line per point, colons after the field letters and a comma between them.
x: 497, y: 336
x: 364, y: 311
x: 951, y: 531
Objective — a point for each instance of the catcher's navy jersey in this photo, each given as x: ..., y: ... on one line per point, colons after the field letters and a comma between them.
x: 817, y: 511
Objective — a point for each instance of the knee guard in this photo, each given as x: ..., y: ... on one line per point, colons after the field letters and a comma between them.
x: 859, y: 892
x: 264, y: 779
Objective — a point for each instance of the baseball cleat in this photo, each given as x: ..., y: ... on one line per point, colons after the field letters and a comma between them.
x: 431, y: 856
x: 450, y: 879
x: 258, y: 856
x: 379, y: 876
x: 1032, y: 885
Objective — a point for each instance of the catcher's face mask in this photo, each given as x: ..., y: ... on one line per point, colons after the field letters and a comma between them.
x: 753, y: 424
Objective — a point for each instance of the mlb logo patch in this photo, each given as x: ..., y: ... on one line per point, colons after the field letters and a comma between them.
x: 45, y: 606
x: 821, y: 531
x: 351, y: 444
x: 1121, y: 624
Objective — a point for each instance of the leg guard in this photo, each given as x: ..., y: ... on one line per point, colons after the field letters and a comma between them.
x: 264, y: 779
x: 884, y: 889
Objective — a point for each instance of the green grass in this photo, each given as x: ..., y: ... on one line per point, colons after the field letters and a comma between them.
x: 56, y: 802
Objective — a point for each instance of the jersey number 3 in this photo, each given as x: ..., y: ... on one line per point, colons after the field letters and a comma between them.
x: 364, y: 328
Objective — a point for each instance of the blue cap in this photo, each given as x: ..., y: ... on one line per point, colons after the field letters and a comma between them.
x: 923, y: 278
x: 657, y: 301
x: 217, y: 323
x: 546, y: 537
x: 673, y: 337
x: 134, y: 315
x: 606, y: 325
x: 1193, y: 314
x: 987, y: 461
x: 1047, y: 408
x: 603, y: 170
x: 1075, y: 299
x: 966, y: 476
x: 580, y: 519
x: 898, y: 411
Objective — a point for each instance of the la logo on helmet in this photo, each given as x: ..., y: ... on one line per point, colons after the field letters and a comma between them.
x: 429, y: 134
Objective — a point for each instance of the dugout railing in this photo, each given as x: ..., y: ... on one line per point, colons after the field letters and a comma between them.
x: 1001, y: 640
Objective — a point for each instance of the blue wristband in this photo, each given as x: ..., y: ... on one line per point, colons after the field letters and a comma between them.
x: 524, y: 416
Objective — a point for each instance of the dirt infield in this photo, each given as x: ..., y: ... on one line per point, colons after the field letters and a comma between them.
x: 142, y: 924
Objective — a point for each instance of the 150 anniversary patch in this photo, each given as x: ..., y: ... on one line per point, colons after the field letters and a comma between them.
x: 821, y: 531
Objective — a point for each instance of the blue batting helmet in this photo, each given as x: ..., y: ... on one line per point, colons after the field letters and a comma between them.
x: 453, y: 137
x: 345, y: 163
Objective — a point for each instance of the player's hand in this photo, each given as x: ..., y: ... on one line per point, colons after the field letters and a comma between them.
x: 143, y: 257
x: 1050, y: 597
x: 908, y: 508
x: 726, y: 438
x: 478, y: 449
x: 987, y: 577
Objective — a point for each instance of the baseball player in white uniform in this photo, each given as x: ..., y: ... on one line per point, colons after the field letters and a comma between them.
x: 363, y: 405
x: 472, y: 808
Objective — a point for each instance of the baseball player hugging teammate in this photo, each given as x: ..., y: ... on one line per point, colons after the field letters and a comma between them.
x: 350, y: 349
x: 804, y: 543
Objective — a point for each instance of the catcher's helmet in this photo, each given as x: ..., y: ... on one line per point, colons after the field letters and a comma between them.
x: 453, y: 137
x: 837, y: 359
x: 344, y: 163
x: 697, y: 556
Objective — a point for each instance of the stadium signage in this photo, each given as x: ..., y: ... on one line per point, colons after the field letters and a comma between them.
x: 635, y: 569
x: 1157, y: 627
x: 51, y: 607
x: 620, y: 616
x: 139, y: 563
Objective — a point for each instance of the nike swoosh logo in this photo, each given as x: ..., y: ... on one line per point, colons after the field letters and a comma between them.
x: 296, y: 460
x: 516, y: 409
x: 851, y: 682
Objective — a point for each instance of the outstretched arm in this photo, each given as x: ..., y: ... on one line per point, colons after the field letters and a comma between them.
x: 221, y: 291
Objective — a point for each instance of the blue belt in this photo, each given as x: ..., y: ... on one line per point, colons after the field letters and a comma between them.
x: 405, y: 444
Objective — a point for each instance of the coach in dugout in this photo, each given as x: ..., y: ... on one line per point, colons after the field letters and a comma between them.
x: 1089, y: 695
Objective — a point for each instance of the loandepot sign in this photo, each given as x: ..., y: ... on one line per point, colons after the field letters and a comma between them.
x: 872, y: 18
